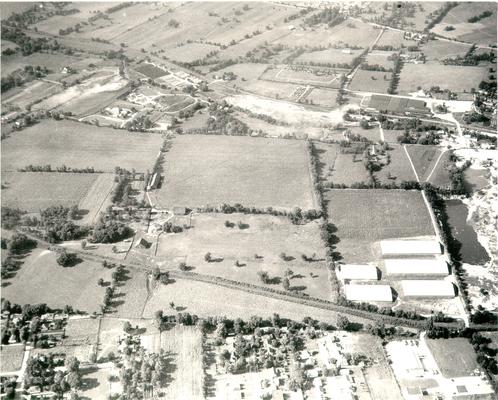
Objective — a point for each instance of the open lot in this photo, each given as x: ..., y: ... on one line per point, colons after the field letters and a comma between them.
x: 455, y: 78
x: 378, y: 57
x: 378, y: 214
x: 264, y: 235
x: 370, y: 81
x: 200, y: 170
x: 11, y: 356
x: 32, y: 191
x: 79, y: 145
x: 42, y: 280
x: 454, y: 357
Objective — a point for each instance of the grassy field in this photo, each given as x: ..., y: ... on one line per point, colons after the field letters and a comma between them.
x: 131, y: 296
x: 370, y: 81
x: 264, y: 235
x: 395, y: 39
x: 201, y: 170
x: 423, y: 158
x: 455, y: 78
x: 42, y: 280
x: 248, y: 72
x: 11, y: 356
x: 96, y: 198
x: 441, y: 176
x: 454, y: 357
x: 340, y: 168
x: 79, y: 145
x: 29, y: 94
x: 184, y: 344
x: 198, y: 121
x: 377, y: 57
x: 32, y: 191
x: 275, y: 90
x: 191, y: 52
x: 439, y: 50
x: 378, y: 214
x: 322, y: 97
x: 481, y: 32
x: 399, y: 169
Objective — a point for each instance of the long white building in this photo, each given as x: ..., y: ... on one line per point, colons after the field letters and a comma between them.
x: 407, y: 267
x: 367, y: 293
x: 358, y: 272
x: 392, y: 248
x: 428, y: 289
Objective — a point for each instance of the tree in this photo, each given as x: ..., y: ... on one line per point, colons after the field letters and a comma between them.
x: 156, y: 273
x: 72, y: 364
x: 83, y: 244
x: 207, y: 257
x: 66, y: 259
x: 343, y: 323
x: 158, y: 316
x: 286, y: 284
x: 263, y: 275
x: 364, y: 124
x: 100, y: 282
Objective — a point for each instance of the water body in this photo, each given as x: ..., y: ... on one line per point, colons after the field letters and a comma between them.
x: 472, y: 251
x: 475, y: 179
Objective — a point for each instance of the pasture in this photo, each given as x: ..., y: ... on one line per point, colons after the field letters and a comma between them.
x: 201, y: 170
x: 378, y: 57
x: 30, y: 93
x: 42, y: 280
x: 96, y: 198
x: 32, y: 191
x: 244, y: 72
x: 266, y: 236
x: 328, y: 56
x: 273, y: 89
x: 394, y: 39
x: 370, y: 81
x: 441, y: 176
x: 378, y: 214
x: 455, y: 357
x: 190, y: 52
x: 440, y: 50
x: 398, y: 169
x: 79, y: 145
x: 455, y: 78
x: 322, y: 97
x: 132, y: 295
x: 340, y: 168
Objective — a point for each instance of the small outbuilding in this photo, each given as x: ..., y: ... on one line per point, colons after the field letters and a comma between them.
x: 422, y: 289
x: 392, y: 248
x: 416, y: 267
x: 358, y: 272
x: 381, y: 293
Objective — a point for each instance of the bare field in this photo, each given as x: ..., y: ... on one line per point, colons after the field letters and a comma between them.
x: 455, y: 78
x: 264, y: 235
x: 378, y: 214
x: 32, y: 191
x: 79, y: 145
x: 42, y: 280
x: 200, y: 170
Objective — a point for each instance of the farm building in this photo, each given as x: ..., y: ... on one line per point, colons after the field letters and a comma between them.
x: 358, y: 272
x: 397, y: 105
x: 368, y: 293
x: 414, y: 267
x: 428, y: 288
x: 392, y: 248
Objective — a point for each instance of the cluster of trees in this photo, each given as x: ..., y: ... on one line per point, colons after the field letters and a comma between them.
x: 477, y: 18
x: 300, y: 14
x: 329, y: 16
x: 141, y: 123
x: 471, y: 58
x: 393, y: 84
x: 19, y: 77
x: 27, y: 44
x: 168, y: 227
x: 118, y: 7
x: 222, y: 120
x: 375, y: 67
x: 474, y: 117
x: 63, y: 168
x: 108, y: 230
x: 66, y: 259
x: 416, y: 137
x: 441, y: 13
x: 56, y: 225
x: 267, y: 118
x: 11, y: 217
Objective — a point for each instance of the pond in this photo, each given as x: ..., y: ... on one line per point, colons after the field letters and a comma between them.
x: 472, y: 251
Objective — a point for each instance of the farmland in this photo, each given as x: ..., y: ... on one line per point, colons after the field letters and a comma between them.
x: 398, y: 169
x: 267, y: 236
x: 378, y: 214
x: 191, y: 52
x: 151, y: 70
x: 424, y: 159
x: 375, y: 81
x: 42, y: 280
x: 32, y: 191
x: 11, y: 357
x: 203, y: 170
x: 454, y: 357
x: 79, y: 145
x: 328, y: 56
x: 306, y: 76
x: 455, y: 78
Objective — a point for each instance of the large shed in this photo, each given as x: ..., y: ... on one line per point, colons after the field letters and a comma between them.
x: 381, y: 293
x: 428, y: 289
x: 416, y: 267
x: 390, y: 248
x: 358, y: 272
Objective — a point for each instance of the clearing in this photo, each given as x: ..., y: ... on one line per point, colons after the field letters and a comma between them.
x: 455, y: 357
